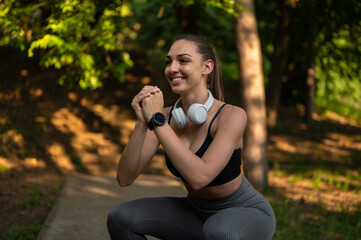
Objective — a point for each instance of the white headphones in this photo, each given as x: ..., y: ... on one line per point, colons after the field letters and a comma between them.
x: 197, y: 113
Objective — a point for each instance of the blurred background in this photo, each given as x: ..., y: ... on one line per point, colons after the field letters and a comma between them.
x: 70, y: 68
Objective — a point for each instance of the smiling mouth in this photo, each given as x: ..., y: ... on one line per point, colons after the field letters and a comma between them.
x: 176, y: 80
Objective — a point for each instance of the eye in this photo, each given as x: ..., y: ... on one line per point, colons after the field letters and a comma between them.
x: 168, y: 62
x: 183, y: 60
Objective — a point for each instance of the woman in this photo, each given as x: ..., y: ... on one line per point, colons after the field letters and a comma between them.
x: 202, y: 139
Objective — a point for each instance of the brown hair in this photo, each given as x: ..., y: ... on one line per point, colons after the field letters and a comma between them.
x: 214, y: 80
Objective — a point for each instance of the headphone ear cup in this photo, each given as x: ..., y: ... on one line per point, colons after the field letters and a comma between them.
x: 179, y: 117
x: 197, y: 113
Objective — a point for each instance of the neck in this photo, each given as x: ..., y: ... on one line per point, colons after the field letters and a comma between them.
x: 194, y: 97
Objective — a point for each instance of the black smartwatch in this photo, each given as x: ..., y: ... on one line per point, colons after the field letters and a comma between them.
x: 158, y: 119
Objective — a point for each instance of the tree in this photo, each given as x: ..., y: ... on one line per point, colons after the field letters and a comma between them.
x: 250, y: 64
x: 279, y: 59
x: 310, y: 60
x: 85, y: 38
x: 317, y: 55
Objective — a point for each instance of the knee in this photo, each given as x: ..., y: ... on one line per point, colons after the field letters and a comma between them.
x: 112, y: 217
x: 112, y: 220
x: 117, y: 218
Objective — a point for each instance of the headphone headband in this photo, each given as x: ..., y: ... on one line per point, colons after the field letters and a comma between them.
x: 197, y: 113
x: 208, y: 104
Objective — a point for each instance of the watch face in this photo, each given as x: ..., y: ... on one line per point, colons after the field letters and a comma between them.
x: 159, y: 119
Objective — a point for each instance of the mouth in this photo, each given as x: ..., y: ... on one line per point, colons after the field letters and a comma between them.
x: 177, y: 80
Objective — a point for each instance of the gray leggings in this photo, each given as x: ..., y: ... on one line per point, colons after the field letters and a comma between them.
x: 245, y: 214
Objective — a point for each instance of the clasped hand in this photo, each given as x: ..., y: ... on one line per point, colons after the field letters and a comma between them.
x: 147, y: 102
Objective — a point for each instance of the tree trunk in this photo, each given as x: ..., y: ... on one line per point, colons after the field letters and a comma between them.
x: 185, y: 15
x: 253, y: 93
x: 310, y: 92
x: 310, y: 81
x: 279, y: 60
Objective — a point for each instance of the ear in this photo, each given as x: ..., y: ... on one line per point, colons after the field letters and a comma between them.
x: 208, y: 66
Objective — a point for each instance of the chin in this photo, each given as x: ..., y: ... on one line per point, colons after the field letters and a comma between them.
x: 178, y: 90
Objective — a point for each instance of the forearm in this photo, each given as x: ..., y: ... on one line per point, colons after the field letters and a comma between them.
x: 189, y: 165
x: 129, y: 163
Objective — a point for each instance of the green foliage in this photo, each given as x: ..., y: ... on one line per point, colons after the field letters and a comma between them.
x: 91, y: 41
x: 326, y: 102
x: 3, y: 173
x: 338, y: 59
x: 335, y: 54
x: 13, y: 20
x: 32, y: 198
x: 227, y: 6
x: 159, y: 22
x: 339, y: 73
x: 85, y: 38
x: 15, y: 233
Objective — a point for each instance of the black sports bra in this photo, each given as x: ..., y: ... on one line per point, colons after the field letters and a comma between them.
x: 231, y: 170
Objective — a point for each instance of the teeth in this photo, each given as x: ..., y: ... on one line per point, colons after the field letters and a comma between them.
x: 176, y: 79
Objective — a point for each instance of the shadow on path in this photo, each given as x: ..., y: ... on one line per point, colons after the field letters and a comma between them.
x: 81, y: 210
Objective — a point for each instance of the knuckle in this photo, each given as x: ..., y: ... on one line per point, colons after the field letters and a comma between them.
x: 146, y: 100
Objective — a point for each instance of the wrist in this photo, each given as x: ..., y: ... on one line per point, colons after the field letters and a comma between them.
x: 157, y: 119
x: 141, y: 124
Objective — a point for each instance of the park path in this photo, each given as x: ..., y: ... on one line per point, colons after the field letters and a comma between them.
x: 81, y: 210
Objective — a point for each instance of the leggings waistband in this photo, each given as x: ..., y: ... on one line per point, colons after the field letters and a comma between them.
x: 243, y: 193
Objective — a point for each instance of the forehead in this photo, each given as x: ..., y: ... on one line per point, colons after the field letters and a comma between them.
x: 183, y: 47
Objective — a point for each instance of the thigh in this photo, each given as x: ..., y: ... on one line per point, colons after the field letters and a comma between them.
x: 239, y: 223
x: 162, y: 217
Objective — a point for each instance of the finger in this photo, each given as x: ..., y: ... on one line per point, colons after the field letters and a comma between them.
x: 157, y: 89
x: 153, y: 90
x: 150, y: 89
x: 141, y: 96
x: 136, y: 105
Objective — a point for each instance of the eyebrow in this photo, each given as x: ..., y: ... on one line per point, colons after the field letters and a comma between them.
x: 181, y: 55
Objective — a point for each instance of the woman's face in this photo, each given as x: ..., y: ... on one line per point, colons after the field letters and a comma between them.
x: 184, y: 67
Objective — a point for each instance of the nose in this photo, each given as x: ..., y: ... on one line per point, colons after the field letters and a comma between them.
x: 174, y: 66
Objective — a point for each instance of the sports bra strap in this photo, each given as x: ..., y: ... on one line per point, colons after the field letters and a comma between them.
x: 215, y: 116
x: 170, y: 114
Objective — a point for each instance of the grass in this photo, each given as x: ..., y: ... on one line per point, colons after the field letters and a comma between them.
x: 32, y: 198
x: 339, y: 178
x: 3, y: 172
x: 344, y: 109
x: 297, y: 220
x: 30, y: 233
x: 315, y: 188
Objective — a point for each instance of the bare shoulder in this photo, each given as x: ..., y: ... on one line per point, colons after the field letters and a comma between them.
x: 230, y: 125
x: 233, y: 114
x: 232, y: 118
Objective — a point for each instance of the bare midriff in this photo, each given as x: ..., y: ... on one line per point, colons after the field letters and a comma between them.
x: 215, y: 192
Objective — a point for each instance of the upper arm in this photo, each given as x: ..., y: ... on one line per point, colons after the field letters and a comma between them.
x: 228, y: 136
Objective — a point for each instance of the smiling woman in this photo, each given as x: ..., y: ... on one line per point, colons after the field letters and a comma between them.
x: 202, y: 148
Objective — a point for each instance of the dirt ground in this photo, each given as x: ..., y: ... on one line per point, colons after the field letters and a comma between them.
x: 47, y: 131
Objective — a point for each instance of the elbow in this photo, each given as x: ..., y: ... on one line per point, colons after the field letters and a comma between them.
x: 198, y: 184
x: 196, y: 187
x: 123, y: 182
